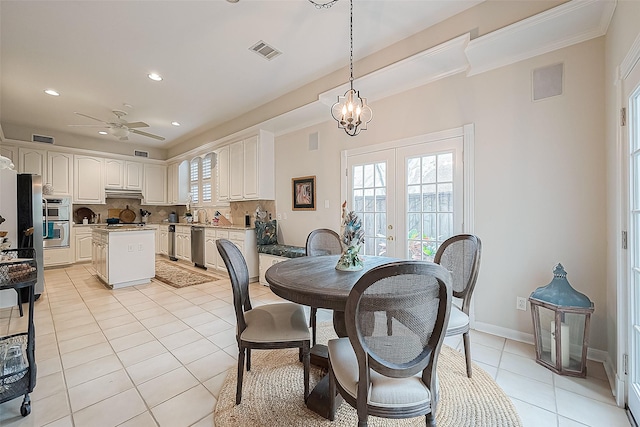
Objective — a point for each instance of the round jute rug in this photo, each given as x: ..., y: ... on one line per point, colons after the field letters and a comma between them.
x: 272, y: 395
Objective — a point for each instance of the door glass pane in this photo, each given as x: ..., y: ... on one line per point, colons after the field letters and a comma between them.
x: 429, y: 210
x: 370, y: 204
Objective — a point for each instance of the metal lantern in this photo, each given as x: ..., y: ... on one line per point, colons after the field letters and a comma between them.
x: 561, y: 326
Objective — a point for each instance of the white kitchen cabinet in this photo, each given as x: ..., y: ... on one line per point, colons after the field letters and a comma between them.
x: 53, y: 257
x: 222, y: 170
x: 155, y: 184
x: 244, y: 239
x: 183, y: 242
x: 163, y: 237
x: 82, y: 243
x: 122, y: 174
x: 60, y: 172
x: 236, y: 170
x: 250, y: 169
x: 88, y: 179
x: 32, y: 161
x: 178, y: 183
x: 266, y: 261
x: 10, y: 152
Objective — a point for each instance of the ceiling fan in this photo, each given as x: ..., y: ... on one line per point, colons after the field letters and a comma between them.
x: 120, y: 128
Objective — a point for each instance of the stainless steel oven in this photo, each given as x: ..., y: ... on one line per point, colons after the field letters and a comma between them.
x: 56, y: 216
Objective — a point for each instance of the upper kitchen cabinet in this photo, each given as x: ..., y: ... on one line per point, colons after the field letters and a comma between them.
x: 56, y: 168
x: 122, y: 174
x: 178, y: 183
x: 250, y: 168
x: 222, y: 169
x: 60, y: 172
x: 155, y: 184
x: 88, y: 179
x: 10, y: 152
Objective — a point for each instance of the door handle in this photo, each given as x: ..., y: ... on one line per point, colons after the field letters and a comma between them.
x: 389, y: 237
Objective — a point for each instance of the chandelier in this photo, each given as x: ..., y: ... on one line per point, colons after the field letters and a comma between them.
x: 351, y: 112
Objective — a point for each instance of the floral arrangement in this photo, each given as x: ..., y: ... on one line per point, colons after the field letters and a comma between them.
x: 352, y: 239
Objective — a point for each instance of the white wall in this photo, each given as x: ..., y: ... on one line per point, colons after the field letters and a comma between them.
x: 539, y: 168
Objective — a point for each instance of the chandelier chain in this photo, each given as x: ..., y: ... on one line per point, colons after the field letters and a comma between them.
x: 326, y: 5
x: 351, y: 38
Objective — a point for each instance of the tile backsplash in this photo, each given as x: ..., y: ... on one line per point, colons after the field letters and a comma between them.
x: 234, y: 213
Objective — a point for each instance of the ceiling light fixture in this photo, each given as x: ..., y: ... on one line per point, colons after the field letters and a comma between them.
x: 155, y: 77
x: 326, y: 5
x: 102, y: 132
x: 175, y: 123
x: 351, y: 112
x: 51, y: 92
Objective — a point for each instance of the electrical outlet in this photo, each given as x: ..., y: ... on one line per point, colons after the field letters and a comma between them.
x: 521, y: 303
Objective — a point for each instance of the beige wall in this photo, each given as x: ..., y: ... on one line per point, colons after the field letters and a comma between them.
x: 622, y: 32
x: 539, y: 176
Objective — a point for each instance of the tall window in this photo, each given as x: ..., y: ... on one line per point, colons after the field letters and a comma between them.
x: 207, y: 166
x: 194, y: 178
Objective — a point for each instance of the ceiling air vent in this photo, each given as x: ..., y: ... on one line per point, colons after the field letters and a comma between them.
x: 264, y: 50
x: 42, y: 138
x: 141, y: 153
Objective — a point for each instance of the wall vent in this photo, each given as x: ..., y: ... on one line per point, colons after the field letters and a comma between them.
x: 141, y: 153
x: 42, y: 138
x: 264, y: 50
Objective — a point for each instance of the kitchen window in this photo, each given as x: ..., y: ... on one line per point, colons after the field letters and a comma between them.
x: 201, y: 179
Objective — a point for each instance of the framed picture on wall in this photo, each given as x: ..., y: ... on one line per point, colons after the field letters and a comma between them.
x: 304, y: 193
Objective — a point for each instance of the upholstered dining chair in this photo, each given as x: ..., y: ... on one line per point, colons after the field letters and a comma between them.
x: 270, y: 326
x: 392, y: 376
x: 321, y: 241
x: 460, y: 254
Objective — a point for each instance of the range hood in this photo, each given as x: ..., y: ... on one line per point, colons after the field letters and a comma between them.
x: 119, y: 193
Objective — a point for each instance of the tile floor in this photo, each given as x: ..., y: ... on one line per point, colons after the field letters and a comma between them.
x: 153, y: 355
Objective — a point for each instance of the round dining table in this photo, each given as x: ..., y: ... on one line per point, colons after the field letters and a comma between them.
x: 314, y: 281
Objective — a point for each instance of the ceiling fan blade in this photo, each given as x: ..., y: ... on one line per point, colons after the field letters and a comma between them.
x: 89, y: 117
x: 150, y: 135
x: 90, y: 126
x: 136, y: 125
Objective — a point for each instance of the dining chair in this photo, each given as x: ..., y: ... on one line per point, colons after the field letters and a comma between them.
x: 321, y: 241
x: 392, y: 376
x: 269, y: 326
x: 460, y: 254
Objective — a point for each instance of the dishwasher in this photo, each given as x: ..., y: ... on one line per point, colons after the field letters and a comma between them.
x: 197, y: 246
x: 171, y: 244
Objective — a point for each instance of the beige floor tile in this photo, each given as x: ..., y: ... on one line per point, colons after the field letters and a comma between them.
x: 194, y: 351
x: 533, y: 416
x: 43, y: 411
x: 96, y: 390
x: 143, y: 420
x: 109, y: 314
x: 589, y: 411
x: 112, y: 322
x: 527, y: 390
x: 79, y: 331
x: 49, y: 385
x: 62, y: 422
x: 566, y: 422
x: 214, y: 385
x: 166, y: 386
x: 153, y: 367
x: 211, y: 328
x: 207, y: 421
x: 487, y: 340
x: 525, y: 367
x: 78, y: 343
x: 592, y: 388
x: 520, y: 348
x: 484, y: 354
x: 209, y: 366
x: 150, y: 312
x: 169, y: 328
x: 123, y: 330
x: 112, y: 411
x: 84, y: 355
x: 200, y: 319
x: 161, y: 319
x: 141, y: 352
x: 186, y: 408
x: 49, y: 366
x: 91, y: 370
x: 131, y: 340
x: 224, y: 338
x: 180, y: 339
x: 187, y: 312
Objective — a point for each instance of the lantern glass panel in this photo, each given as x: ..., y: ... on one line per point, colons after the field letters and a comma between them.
x: 575, y: 323
x: 545, y: 338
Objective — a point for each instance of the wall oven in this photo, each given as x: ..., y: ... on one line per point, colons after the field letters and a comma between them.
x: 56, y: 217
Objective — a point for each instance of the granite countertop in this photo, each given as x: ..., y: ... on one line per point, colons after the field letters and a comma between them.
x: 155, y: 224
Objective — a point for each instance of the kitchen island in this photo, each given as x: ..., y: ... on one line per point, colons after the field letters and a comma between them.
x: 123, y: 256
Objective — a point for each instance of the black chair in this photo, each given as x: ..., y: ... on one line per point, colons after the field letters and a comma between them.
x: 392, y: 376
x: 321, y: 241
x: 271, y: 326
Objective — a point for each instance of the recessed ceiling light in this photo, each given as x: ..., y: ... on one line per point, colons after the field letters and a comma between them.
x: 175, y: 123
x: 155, y: 77
x: 232, y: 1
x: 51, y: 92
x: 102, y: 132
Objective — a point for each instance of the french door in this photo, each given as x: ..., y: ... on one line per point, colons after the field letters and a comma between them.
x: 631, y: 93
x: 409, y: 195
